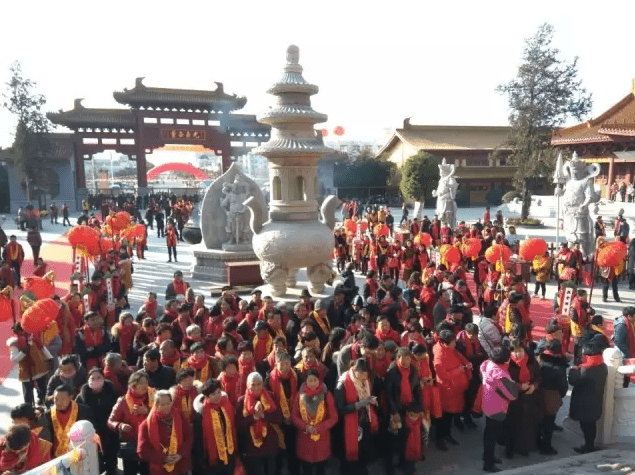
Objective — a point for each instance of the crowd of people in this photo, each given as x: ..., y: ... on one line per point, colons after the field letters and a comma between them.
x: 254, y: 385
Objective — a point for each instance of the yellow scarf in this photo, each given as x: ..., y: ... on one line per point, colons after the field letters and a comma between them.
x: 61, y: 433
x: 15, y: 250
x: 284, y: 403
x: 225, y: 444
x: 171, y: 450
x: 598, y: 329
x: 323, y: 325
x: 319, y: 415
x: 186, y: 406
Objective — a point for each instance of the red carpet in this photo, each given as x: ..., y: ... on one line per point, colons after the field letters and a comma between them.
x: 540, y: 312
x: 58, y: 254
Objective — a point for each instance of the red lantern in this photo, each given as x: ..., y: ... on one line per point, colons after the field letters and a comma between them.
x: 39, y: 315
x: 381, y: 230
x: 41, y: 287
x: 325, y: 132
x: 424, y: 238
x: 85, y: 239
x: 471, y: 247
x: 339, y: 130
x: 140, y: 231
x: 105, y: 245
x: 497, y: 252
x: 453, y: 255
x: 611, y: 254
x: 531, y: 248
x: 350, y: 225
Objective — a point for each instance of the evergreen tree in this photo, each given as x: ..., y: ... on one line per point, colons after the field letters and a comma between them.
x: 419, y: 176
x: 545, y: 93
x: 31, y: 136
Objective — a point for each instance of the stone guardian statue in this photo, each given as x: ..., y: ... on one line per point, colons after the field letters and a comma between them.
x: 237, y: 226
x: 445, y: 194
x: 577, y: 195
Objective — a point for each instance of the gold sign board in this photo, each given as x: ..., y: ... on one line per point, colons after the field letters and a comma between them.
x: 183, y: 134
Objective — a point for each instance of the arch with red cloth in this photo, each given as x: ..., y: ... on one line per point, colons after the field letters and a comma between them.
x: 177, y: 167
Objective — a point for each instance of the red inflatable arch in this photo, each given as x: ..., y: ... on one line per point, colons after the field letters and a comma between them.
x: 177, y: 167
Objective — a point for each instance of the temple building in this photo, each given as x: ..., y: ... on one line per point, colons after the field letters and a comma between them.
x: 482, y: 178
x: 608, y: 140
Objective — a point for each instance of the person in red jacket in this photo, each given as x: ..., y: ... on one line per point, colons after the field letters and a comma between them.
x: 314, y: 415
x: 14, y: 256
x: 165, y: 438
x: 454, y: 372
x: 170, y: 238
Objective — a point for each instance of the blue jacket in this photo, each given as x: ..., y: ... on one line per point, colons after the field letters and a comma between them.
x: 620, y: 336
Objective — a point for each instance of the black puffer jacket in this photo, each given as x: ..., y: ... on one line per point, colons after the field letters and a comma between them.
x: 101, y: 404
x: 588, y: 392
x: 553, y: 373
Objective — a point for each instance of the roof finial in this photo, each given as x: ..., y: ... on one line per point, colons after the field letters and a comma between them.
x: 574, y: 157
x: 444, y: 162
x: 293, y: 54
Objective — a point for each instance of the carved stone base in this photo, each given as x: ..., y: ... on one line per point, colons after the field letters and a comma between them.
x: 240, y: 247
x: 210, y: 264
x: 291, y: 295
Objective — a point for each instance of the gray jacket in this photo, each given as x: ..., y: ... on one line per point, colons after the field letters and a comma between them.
x: 489, y: 336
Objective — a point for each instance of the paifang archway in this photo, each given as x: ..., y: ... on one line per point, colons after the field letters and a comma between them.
x: 156, y: 117
x: 177, y: 167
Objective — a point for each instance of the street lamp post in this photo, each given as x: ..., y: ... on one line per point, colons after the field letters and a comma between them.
x: 558, y: 179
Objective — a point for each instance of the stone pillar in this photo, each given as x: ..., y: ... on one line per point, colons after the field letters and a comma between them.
x: 612, y: 359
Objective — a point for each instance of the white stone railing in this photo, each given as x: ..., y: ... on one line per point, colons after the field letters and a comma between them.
x: 82, y: 459
x: 618, y: 415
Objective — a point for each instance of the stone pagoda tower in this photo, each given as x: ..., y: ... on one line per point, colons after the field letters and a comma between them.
x: 297, y: 234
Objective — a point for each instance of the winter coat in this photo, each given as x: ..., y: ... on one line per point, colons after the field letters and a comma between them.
x: 553, y: 383
x: 453, y: 377
x: 101, y: 403
x: 148, y: 453
x: 307, y: 449
x: 631, y: 257
x: 245, y: 442
x: 74, y: 385
x: 498, y: 390
x: 587, y: 396
x: 163, y: 377
x: 489, y: 336
x: 392, y: 383
x: 592, y: 337
x: 620, y: 337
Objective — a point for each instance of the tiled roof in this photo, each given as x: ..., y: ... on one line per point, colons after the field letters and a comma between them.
x: 158, y: 97
x: 80, y: 116
x: 449, y: 137
x: 618, y: 120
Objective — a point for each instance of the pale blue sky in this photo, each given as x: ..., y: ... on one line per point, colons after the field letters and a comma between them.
x: 375, y: 62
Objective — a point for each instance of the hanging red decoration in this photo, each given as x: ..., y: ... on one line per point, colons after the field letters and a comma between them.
x: 471, y: 247
x: 339, y: 130
x: 325, y: 132
x: 423, y: 238
x: 452, y: 255
x: 350, y: 226
x: 6, y: 304
x: 381, y: 230
x: 41, y: 287
x: 84, y: 239
x: 105, y: 245
x: 39, y: 315
x: 498, y: 252
x: 140, y: 231
x: 611, y: 254
x: 531, y: 248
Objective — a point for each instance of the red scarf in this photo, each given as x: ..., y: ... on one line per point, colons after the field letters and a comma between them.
x: 138, y: 400
x: 277, y: 388
x: 126, y: 336
x: 111, y: 376
x: 630, y: 333
x: 406, y: 389
x: 179, y: 287
x: 589, y: 361
x: 170, y: 360
x: 244, y: 370
x: 250, y: 407
x: 190, y: 396
x: 151, y: 309
x: 209, y: 438
x: 93, y: 338
x: 413, y: 442
x: 261, y: 347
x: 198, y: 365
x: 524, y: 376
x: 382, y: 365
x: 230, y: 386
x: 34, y: 457
x: 351, y: 421
x: 153, y: 428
